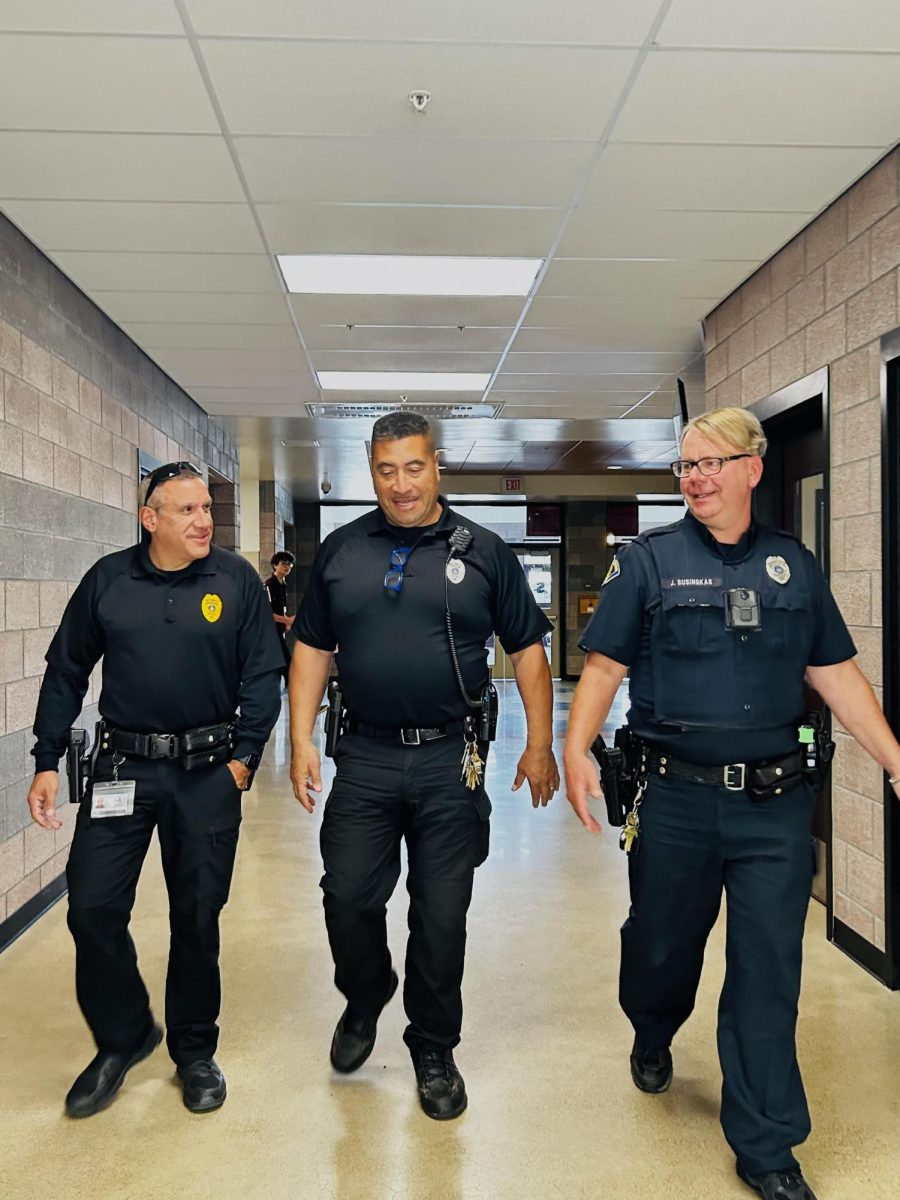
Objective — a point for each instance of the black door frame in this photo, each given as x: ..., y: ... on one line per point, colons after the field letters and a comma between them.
x: 890, y: 526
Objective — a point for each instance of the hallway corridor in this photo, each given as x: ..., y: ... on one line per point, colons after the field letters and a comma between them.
x: 552, y: 1110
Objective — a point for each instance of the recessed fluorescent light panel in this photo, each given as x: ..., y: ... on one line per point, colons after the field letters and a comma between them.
x: 403, y: 381
x: 407, y: 275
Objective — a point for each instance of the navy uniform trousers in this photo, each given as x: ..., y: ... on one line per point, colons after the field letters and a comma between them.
x: 385, y: 792
x: 694, y: 841
x: 197, y: 815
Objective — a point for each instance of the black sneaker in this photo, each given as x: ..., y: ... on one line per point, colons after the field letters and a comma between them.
x: 203, y: 1085
x: 651, y: 1070
x: 778, y: 1185
x: 354, y: 1036
x: 442, y: 1092
x: 97, y: 1085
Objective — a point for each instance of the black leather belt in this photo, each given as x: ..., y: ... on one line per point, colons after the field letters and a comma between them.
x: 408, y: 736
x: 163, y: 745
x: 756, y: 778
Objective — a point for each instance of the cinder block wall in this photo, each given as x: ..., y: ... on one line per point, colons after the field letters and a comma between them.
x: 77, y: 401
x: 826, y: 300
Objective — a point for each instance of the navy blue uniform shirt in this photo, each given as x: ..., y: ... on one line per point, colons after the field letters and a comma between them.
x: 393, y: 657
x: 180, y: 649
x: 798, y: 616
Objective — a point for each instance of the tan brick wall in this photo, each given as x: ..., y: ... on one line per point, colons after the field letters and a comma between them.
x: 826, y: 300
x: 77, y: 400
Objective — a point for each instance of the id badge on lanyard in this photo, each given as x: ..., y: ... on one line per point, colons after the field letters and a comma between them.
x: 116, y: 798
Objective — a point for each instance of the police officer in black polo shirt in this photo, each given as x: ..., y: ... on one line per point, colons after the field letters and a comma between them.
x: 412, y: 710
x: 719, y: 620
x: 187, y: 640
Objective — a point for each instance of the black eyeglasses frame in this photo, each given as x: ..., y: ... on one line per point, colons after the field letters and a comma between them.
x: 721, y: 459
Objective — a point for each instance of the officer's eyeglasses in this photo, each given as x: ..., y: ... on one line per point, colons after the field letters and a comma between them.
x: 682, y: 467
x: 393, y: 579
x: 167, y: 472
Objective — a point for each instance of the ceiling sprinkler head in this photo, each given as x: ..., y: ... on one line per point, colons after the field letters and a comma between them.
x: 419, y: 100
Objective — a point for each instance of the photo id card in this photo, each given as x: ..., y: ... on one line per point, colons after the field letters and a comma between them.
x: 113, y: 799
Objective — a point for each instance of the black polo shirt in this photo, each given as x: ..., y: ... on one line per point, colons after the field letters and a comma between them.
x: 180, y: 649
x: 393, y: 656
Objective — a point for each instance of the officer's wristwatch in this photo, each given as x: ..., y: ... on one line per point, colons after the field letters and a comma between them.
x: 251, y: 762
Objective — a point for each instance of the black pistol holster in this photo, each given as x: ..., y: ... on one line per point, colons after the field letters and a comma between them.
x: 79, y: 763
x: 620, y: 770
x: 334, y: 717
x: 816, y: 748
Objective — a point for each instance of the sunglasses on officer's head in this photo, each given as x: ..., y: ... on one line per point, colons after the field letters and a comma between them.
x: 169, y: 471
x: 393, y: 579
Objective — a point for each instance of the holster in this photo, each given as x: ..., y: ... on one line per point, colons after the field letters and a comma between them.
x: 77, y: 762
x: 334, y: 718
x: 620, y: 766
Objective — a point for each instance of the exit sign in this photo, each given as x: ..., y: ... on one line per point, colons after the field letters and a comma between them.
x: 512, y: 485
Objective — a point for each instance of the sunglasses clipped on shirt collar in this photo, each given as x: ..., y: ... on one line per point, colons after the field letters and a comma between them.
x: 169, y: 471
x: 393, y: 579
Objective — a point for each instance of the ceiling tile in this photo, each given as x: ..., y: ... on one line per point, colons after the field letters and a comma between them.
x: 447, y: 339
x: 798, y: 179
x: 340, y: 89
x: 101, y: 225
x: 169, y: 272
x: 225, y: 308
x: 758, y: 98
x: 406, y: 310
x: 665, y: 281
x: 413, y: 170
x: 810, y: 24
x: 398, y: 360
x: 115, y: 166
x: 102, y: 83
x: 604, y: 22
x: 97, y: 16
x: 191, y: 335
x: 363, y: 229
x: 649, y: 233
x: 647, y: 366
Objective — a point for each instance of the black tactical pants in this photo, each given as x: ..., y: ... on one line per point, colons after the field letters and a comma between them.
x: 696, y: 840
x: 197, y: 815
x: 384, y: 792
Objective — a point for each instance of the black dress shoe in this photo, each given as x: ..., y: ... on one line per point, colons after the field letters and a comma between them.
x: 779, y: 1185
x: 96, y: 1086
x: 203, y: 1085
x: 354, y: 1036
x: 442, y: 1092
x: 651, y: 1070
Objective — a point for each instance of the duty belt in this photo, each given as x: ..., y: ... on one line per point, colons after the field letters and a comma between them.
x: 759, y: 779
x: 409, y: 736
x: 165, y: 745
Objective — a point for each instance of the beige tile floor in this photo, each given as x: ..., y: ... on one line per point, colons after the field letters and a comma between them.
x: 552, y: 1110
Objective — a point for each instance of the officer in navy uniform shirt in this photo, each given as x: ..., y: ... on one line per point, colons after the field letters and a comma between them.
x: 378, y: 592
x: 187, y: 638
x: 719, y: 620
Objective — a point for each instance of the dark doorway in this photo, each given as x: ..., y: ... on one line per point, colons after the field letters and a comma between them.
x: 792, y: 497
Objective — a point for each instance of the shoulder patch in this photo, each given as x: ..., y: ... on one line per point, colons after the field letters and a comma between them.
x: 613, y: 573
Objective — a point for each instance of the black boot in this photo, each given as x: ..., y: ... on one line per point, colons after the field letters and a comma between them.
x: 442, y: 1092
x: 354, y: 1036
x: 778, y: 1185
x: 203, y: 1085
x: 651, y: 1070
x: 97, y: 1085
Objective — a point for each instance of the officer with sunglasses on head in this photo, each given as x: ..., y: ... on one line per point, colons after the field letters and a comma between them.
x: 187, y: 639
x: 720, y: 620
x: 410, y: 593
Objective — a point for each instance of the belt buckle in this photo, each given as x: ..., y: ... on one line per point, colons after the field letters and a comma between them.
x: 410, y: 737
x: 164, y: 741
x: 728, y: 777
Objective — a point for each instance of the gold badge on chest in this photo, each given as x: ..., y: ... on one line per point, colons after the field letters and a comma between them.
x: 211, y: 607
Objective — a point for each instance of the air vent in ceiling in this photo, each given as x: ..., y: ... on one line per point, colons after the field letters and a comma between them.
x: 439, y: 412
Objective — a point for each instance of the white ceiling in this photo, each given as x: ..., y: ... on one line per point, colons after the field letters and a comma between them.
x: 654, y: 151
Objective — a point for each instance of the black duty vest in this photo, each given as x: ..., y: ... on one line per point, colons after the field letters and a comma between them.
x: 705, y: 675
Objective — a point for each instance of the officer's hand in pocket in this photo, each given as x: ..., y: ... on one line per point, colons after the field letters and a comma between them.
x: 306, y: 774
x: 582, y: 784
